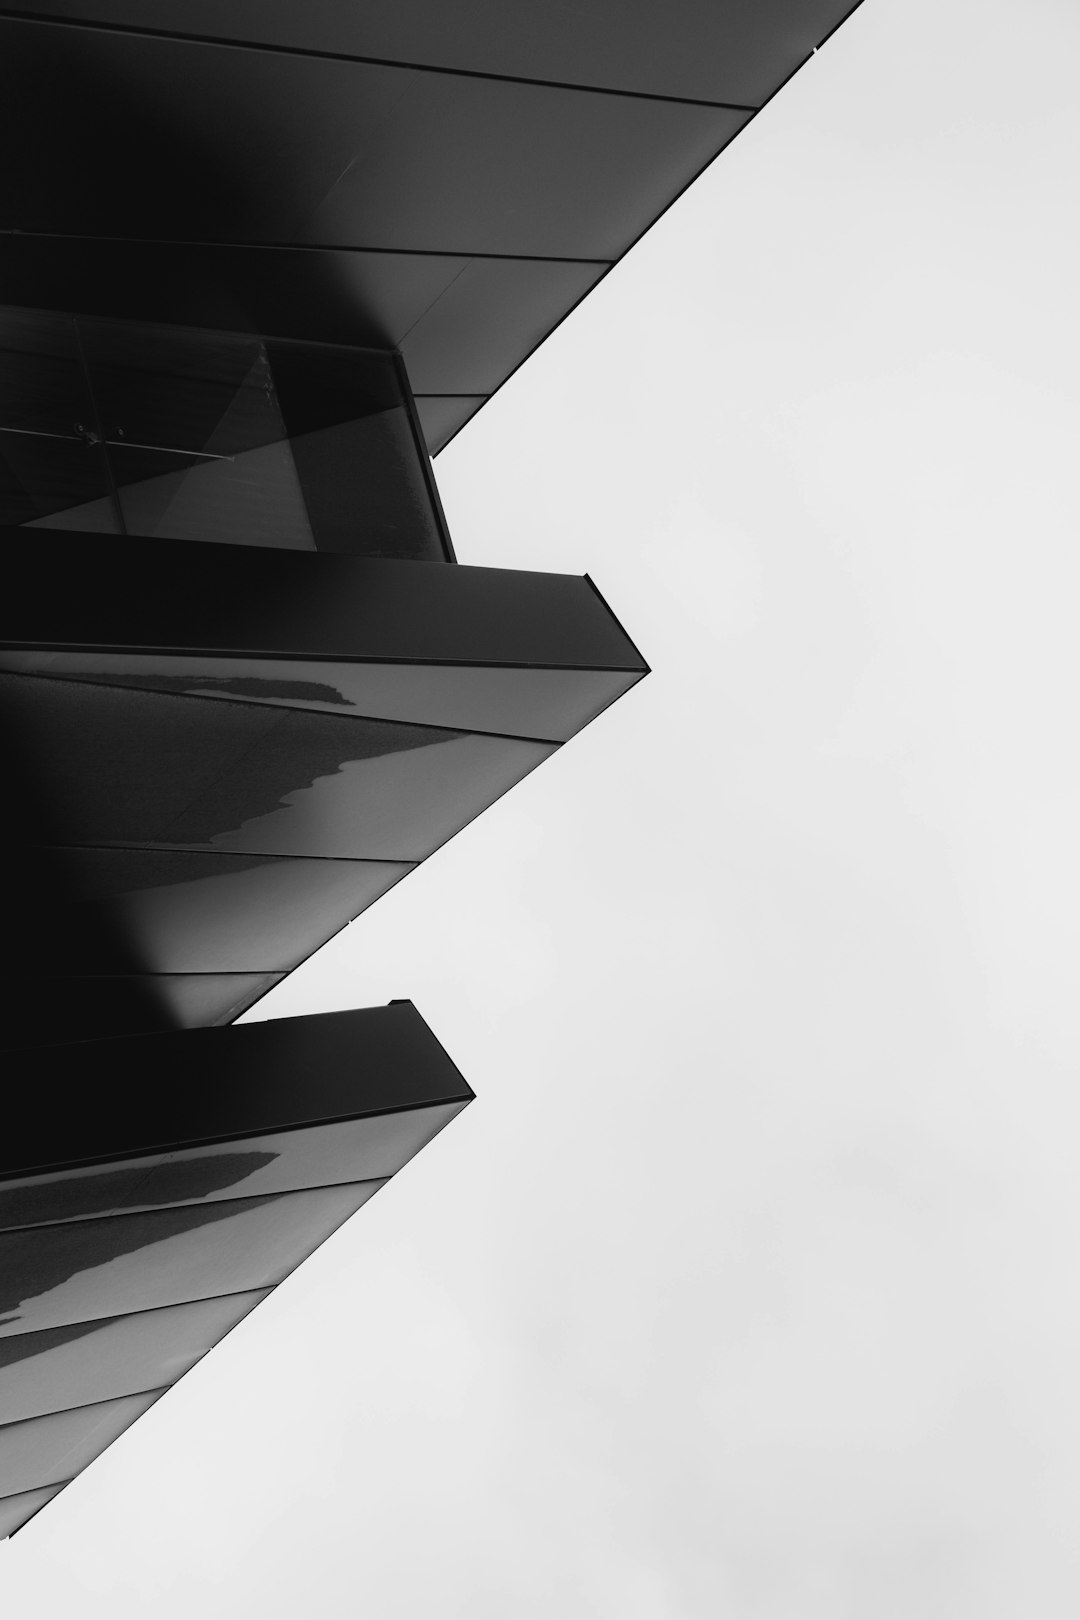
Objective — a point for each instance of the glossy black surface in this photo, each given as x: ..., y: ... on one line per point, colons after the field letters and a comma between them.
x: 85, y: 1003
x: 71, y: 1366
x: 125, y: 766
x: 173, y: 433
x: 443, y: 415
x: 457, y: 155
x: 434, y: 306
x: 202, y: 820
x: 718, y: 50
x: 215, y: 1085
x: 49, y: 1450
x: 547, y: 704
x: 453, y: 200
x: 201, y: 913
x: 79, y: 1271
x: 117, y: 1276
x: 460, y: 214
x: 240, y: 600
x: 350, y: 1150
x: 15, y: 1511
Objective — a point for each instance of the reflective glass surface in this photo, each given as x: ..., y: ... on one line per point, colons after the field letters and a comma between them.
x: 98, y: 1361
x: 134, y: 767
x: 349, y: 1150
x: 48, y: 1450
x: 194, y: 912
x: 541, y: 703
x: 82, y: 1270
x: 177, y: 433
x: 52, y: 461
x: 196, y: 441
x: 395, y: 805
x: 355, y: 451
x: 16, y: 1510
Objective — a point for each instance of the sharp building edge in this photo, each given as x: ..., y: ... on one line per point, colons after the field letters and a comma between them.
x: 259, y: 261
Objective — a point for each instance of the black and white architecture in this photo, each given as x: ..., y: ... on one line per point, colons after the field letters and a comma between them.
x: 259, y: 260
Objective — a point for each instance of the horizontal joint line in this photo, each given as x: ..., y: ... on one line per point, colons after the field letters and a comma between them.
x: 309, y: 247
x: 265, y: 48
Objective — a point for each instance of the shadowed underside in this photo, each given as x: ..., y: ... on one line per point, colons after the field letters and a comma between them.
x: 257, y: 258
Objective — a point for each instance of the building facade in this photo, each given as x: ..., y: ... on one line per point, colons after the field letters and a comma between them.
x: 258, y: 262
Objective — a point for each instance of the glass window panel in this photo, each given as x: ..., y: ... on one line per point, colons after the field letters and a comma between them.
x: 85, y: 1362
x: 358, y: 459
x: 180, y: 433
x: 278, y: 1161
x: 16, y: 1510
x: 195, y: 436
x: 124, y: 766
x: 542, y: 703
x: 49, y: 1449
x: 365, y: 489
x: 80, y: 1270
x: 53, y: 472
x: 252, y: 498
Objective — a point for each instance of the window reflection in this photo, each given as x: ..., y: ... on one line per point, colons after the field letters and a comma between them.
x: 176, y: 433
x: 44, y: 1450
x: 64, y: 1367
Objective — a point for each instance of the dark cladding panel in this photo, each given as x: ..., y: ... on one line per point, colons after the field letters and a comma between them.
x: 514, y: 302
x: 713, y: 50
x: 72, y: 1366
x: 462, y: 331
x: 351, y: 1150
x: 457, y: 156
x: 239, y: 601
x: 124, y: 766
x: 197, y: 912
x: 48, y: 1450
x: 548, y: 704
x: 360, y: 155
x: 216, y: 1085
x: 196, y: 1000
x: 269, y: 136
x: 88, y: 1004
x: 16, y: 1510
x: 398, y: 805
x: 117, y: 1275
x: 442, y: 415
x: 477, y: 166
x: 326, y: 296
x: 81, y: 1270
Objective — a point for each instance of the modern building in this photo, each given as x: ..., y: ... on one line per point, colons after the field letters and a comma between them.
x: 258, y: 262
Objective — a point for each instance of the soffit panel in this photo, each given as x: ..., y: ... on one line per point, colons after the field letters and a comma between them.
x: 249, y: 182
x: 492, y: 315
x: 443, y: 415
x: 713, y: 50
x: 251, y: 146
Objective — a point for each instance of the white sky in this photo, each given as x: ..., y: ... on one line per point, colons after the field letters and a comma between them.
x: 750, y: 1286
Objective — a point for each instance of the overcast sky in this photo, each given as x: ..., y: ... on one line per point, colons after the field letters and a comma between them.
x: 750, y: 1285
